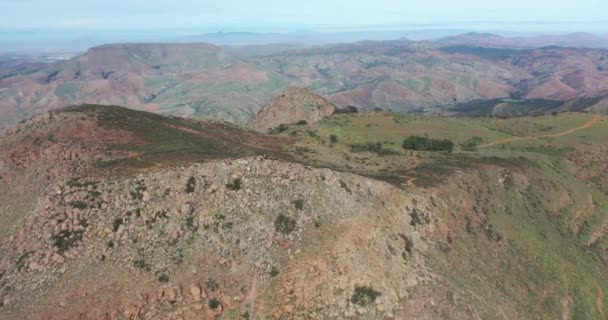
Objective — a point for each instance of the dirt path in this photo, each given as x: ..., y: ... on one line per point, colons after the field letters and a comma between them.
x: 593, y: 121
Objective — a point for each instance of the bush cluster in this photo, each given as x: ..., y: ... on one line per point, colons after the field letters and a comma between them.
x: 427, y: 144
x: 374, y: 147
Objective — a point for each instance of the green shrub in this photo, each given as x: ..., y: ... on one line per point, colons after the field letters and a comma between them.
x: 374, y: 147
x: 116, y: 224
x: 214, y: 303
x: 22, y: 259
x: 313, y: 134
x: 364, y: 296
x: 274, y: 272
x: 427, y: 144
x: 299, y: 203
x: 333, y: 138
x: 67, y: 239
x: 163, y: 278
x: 302, y: 123
x: 419, y: 217
x: 280, y: 129
x: 78, y: 204
x: 471, y: 144
x: 284, y: 224
x: 191, y: 185
x: 235, y: 184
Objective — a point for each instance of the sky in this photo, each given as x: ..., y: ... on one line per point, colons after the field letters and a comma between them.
x: 315, y: 15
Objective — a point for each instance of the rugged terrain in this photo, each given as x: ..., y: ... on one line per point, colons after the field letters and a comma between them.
x: 111, y: 213
x: 296, y: 105
x: 233, y: 84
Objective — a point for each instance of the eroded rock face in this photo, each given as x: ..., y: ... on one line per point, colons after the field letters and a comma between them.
x: 221, y: 248
x: 293, y: 105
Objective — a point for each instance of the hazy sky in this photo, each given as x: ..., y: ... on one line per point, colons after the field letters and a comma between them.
x: 286, y: 15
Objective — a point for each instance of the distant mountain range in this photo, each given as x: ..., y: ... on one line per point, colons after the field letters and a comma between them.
x: 580, y: 39
x: 234, y: 83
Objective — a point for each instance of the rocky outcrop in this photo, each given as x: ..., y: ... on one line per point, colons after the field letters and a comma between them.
x: 292, y: 106
x: 240, y: 236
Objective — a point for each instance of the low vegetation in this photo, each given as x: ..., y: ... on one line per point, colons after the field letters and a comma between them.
x: 373, y: 147
x: 427, y: 144
x: 284, y: 224
x: 190, y: 185
x: 234, y: 185
x: 364, y: 295
x: 471, y: 144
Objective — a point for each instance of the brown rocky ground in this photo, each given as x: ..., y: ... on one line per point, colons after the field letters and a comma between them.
x: 292, y: 106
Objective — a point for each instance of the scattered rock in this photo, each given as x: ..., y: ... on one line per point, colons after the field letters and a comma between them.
x: 195, y: 291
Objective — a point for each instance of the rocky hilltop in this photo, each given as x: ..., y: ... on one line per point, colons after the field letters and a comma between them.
x: 111, y: 213
x: 292, y: 106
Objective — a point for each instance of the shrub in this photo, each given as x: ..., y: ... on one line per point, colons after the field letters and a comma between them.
x: 427, y: 144
x: 348, y: 109
x: 333, y: 138
x: 313, y: 134
x: 21, y: 261
x: 344, y: 186
x: 284, y: 224
x: 409, y: 244
x: 364, y: 295
x: 419, y: 217
x: 116, y: 224
x: 191, y: 185
x: 67, y: 239
x: 214, y: 303
x: 274, y: 272
x: 235, y: 184
x: 299, y: 204
x: 191, y: 224
x: 302, y: 123
x: 374, y: 147
x: 280, y: 129
x: 78, y: 205
x: 163, y: 278
x: 471, y: 144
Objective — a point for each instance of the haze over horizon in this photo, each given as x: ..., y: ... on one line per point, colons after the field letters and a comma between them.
x: 315, y: 15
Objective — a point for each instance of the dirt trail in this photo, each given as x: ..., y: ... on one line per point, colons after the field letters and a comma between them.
x: 593, y: 121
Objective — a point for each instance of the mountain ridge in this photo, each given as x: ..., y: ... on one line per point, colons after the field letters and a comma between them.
x: 208, y: 81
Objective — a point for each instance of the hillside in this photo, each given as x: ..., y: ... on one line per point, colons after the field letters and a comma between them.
x: 201, y: 219
x: 295, y: 105
x: 202, y: 80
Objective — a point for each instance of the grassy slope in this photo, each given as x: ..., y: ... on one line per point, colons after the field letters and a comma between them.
x: 170, y: 139
x: 545, y: 267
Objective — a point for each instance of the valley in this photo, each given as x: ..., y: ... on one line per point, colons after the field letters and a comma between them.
x: 203, y: 80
